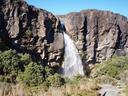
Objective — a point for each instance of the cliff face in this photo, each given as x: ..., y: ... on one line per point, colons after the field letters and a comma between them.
x: 98, y: 34
x: 28, y: 29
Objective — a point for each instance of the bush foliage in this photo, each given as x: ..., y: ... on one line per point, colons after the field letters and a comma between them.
x: 18, y: 67
x: 10, y: 65
x: 113, y: 67
x: 32, y: 75
x: 55, y: 80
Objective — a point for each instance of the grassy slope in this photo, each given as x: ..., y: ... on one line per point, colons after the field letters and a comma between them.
x: 112, y: 71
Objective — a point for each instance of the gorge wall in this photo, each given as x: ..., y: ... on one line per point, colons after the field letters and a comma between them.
x: 98, y: 35
x: 30, y: 30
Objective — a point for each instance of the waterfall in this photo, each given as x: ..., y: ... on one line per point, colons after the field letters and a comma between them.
x: 72, y: 65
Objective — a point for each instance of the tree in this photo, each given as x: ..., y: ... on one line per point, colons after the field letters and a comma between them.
x: 32, y: 75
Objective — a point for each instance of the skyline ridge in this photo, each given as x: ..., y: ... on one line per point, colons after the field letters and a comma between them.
x: 65, y: 7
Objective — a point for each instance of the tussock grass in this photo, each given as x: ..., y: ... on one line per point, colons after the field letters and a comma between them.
x: 83, y: 87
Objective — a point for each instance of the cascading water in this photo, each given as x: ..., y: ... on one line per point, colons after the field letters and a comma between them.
x: 72, y: 65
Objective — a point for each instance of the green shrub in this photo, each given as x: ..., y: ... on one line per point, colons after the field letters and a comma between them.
x: 9, y: 65
x: 55, y: 80
x: 18, y: 67
x: 9, y: 62
x: 25, y: 58
x: 49, y: 71
x: 32, y: 76
x: 114, y: 66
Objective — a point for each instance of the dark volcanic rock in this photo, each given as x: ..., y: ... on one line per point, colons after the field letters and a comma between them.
x: 28, y: 29
x: 98, y: 34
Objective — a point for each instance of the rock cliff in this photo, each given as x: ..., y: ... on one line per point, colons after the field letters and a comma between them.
x: 30, y: 30
x: 97, y: 34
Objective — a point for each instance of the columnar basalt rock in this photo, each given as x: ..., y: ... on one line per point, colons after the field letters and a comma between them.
x: 98, y: 34
x: 31, y: 30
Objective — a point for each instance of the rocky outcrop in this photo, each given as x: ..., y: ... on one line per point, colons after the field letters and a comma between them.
x: 97, y: 34
x: 28, y: 29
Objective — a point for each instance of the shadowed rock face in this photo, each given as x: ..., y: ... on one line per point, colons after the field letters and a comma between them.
x: 98, y: 34
x: 28, y: 29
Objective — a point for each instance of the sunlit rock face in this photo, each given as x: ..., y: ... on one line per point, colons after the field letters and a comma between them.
x: 97, y: 34
x: 31, y: 30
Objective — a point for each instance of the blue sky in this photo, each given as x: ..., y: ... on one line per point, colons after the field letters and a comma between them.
x: 60, y: 7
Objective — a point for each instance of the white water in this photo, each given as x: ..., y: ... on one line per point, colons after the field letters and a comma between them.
x: 72, y: 65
